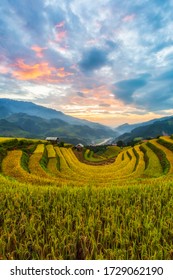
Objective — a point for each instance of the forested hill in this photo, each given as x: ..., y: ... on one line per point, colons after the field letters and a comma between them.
x: 26, y: 119
x: 158, y: 128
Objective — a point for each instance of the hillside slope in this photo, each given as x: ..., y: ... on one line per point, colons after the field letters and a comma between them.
x: 126, y: 128
x: 23, y: 125
x: 9, y: 107
x: 37, y: 121
x: 160, y: 127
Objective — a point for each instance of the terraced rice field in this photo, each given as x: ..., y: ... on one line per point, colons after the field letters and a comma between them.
x: 52, y: 206
x: 108, y: 153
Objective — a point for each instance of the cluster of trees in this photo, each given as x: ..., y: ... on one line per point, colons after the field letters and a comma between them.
x: 131, y: 143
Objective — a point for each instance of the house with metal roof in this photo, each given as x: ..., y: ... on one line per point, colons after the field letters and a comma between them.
x: 53, y: 140
x: 79, y: 147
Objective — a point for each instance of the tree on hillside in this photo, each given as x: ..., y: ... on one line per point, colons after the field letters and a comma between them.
x: 120, y: 143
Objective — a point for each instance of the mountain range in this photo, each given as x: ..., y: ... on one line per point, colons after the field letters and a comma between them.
x: 151, y: 129
x: 26, y: 119
x: 125, y: 128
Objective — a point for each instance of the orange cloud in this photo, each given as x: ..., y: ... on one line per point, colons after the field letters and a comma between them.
x: 31, y: 72
x: 39, y: 71
x: 61, y: 73
x: 85, y: 90
x: 38, y: 50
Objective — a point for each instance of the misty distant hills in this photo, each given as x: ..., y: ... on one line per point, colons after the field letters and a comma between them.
x: 26, y: 119
x: 9, y: 107
x: 163, y: 126
x: 126, y: 128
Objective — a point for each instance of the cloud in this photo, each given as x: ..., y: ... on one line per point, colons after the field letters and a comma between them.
x: 88, y: 55
x: 111, y: 44
x: 150, y: 93
x: 165, y: 76
x: 157, y: 95
x: 125, y: 89
x: 62, y: 73
x: 128, y: 18
x: 157, y: 98
x: 60, y: 24
x: 93, y: 59
x: 60, y: 32
x: 81, y: 94
x: 4, y: 69
x: 39, y: 71
x: 31, y: 16
x: 104, y: 105
x: 38, y: 50
x: 31, y: 72
x: 11, y: 88
x: 61, y: 35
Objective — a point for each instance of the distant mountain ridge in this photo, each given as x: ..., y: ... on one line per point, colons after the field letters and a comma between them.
x: 125, y: 128
x: 163, y: 126
x: 9, y: 107
x: 26, y: 119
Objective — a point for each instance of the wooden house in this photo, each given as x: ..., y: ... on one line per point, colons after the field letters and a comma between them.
x: 53, y: 140
x: 79, y: 147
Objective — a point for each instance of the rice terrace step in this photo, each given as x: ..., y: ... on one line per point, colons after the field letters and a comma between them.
x: 55, y: 206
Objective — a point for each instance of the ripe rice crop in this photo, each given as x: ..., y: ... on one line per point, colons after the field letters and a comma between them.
x: 11, y: 167
x: 66, y: 209
x: 86, y: 223
x: 153, y: 167
x: 39, y: 149
x: 167, y: 142
x: 34, y: 163
x: 5, y: 139
x: 111, y: 151
x: 51, y: 152
x: 162, y: 156
x: 168, y: 152
x: 140, y: 164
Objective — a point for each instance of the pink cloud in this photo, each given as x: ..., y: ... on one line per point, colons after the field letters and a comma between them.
x: 60, y: 24
x: 4, y: 69
x: 92, y: 42
x: 60, y: 36
x: 128, y: 18
x: 61, y: 33
x: 38, y: 50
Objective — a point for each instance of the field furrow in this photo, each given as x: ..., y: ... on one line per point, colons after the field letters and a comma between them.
x: 153, y: 167
x: 11, y: 167
x: 165, y: 157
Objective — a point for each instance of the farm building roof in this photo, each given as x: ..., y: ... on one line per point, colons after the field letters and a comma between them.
x: 52, y: 138
x: 80, y: 145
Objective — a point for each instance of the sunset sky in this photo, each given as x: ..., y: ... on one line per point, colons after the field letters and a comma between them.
x: 108, y: 61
